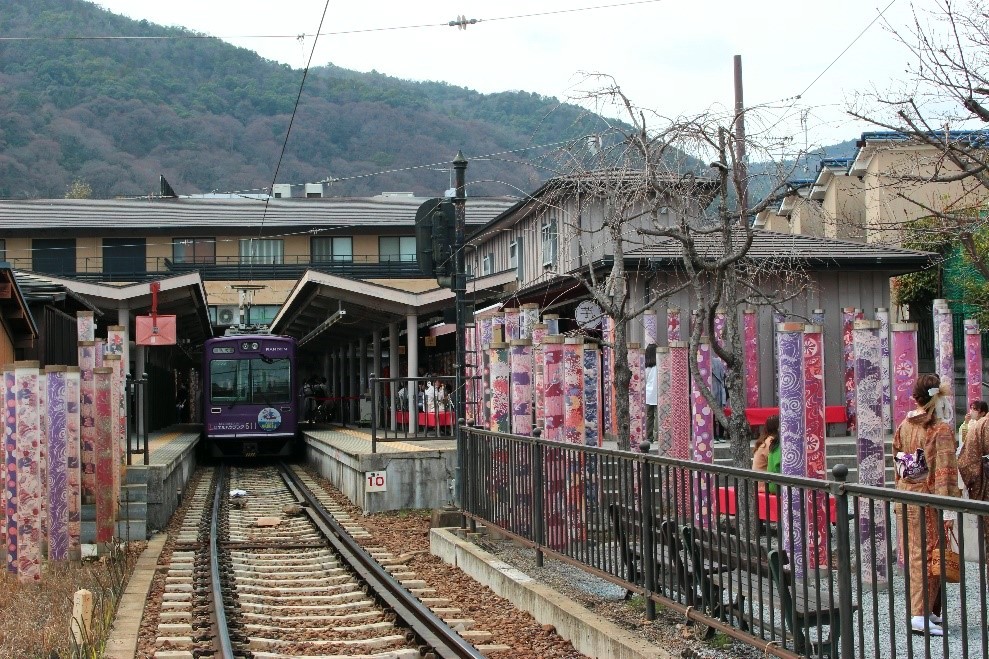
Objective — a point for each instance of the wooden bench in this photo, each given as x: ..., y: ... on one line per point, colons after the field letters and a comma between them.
x: 733, y: 569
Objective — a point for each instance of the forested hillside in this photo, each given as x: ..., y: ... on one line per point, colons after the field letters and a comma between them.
x: 210, y: 116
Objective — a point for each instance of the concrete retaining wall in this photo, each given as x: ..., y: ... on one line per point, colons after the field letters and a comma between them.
x: 166, y: 483
x: 419, y: 479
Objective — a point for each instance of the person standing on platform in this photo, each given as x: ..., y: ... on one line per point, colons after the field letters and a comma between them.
x: 651, y: 400
x: 976, y: 411
x: 973, y: 467
x: 924, y: 454
x: 767, y: 455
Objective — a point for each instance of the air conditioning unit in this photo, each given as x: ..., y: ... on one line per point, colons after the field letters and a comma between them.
x: 228, y: 315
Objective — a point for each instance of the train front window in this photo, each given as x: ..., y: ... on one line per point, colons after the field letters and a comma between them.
x: 260, y: 381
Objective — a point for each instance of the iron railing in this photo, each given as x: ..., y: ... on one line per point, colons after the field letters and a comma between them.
x: 138, y: 416
x: 404, y: 408
x: 809, y: 570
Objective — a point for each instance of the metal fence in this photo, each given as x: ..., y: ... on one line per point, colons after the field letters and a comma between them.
x: 793, y: 566
x: 412, y: 408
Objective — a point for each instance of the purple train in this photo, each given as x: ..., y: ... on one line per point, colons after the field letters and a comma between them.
x: 251, y: 398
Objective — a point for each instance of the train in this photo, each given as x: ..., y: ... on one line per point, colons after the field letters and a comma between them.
x: 251, y: 396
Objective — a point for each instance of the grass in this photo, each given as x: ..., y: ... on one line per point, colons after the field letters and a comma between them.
x: 35, y: 618
x: 721, y: 641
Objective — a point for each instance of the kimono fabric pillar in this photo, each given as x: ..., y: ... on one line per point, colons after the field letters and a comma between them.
x: 882, y: 315
x: 87, y: 422
x: 848, y: 350
x: 115, y: 362
x: 528, y: 317
x: 701, y: 448
x: 511, y: 324
x: 555, y: 463
x: 72, y: 453
x: 815, y: 455
x: 817, y: 317
x: 905, y: 370
x: 521, y: 389
x: 58, y: 465
x: 636, y: 396
x: 871, y: 449
x: 973, y: 361
x: 470, y: 372
x: 680, y: 422
x: 673, y: 325
x: 103, y: 377
x: 43, y: 454
x: 750, y: 339
x: 539, y: 383
x: 10, y: 465
x: 664, y: 434
x: 649, y: 327
x: 486, y: 338
x: 500, y: 374
x: 3, y: 460
x: 608, y: 375
x: 789, y: 341
x: 573, y: 433
x: 29, y: 485
x: 592, y: 421
x: 945, y: 365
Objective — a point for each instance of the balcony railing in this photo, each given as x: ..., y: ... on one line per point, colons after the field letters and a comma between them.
x: 360, y: 266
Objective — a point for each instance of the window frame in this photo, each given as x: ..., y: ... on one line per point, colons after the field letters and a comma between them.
x: 333, y: 256
x: 402, y: 256
x: 256, y: 259
x: 487, y: 264
x: 549, y: 239
x: 193, y: 242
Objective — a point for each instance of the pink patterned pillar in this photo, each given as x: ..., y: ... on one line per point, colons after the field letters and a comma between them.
x: 750, y: 338
x: 553, y: 393
x: 664, y: 428
x: 871, y: 443
x: 573, y: 390
x: 58, y: 464
x: 528, y: 317
x: 10, y: 465
x: 973, y: 361
x: 43, y: 453
x: 815, y: 432
x: 470, y: 371
x: 904, y: 356
x: 552, y: 321
x: 702, y: 429
x: 104, y: 413
x: 511, y: 324
x: 848, y: 350
x: 30, y: 489
x: 649, y: 327
x: 485, y: 339
x: 673, y: 325
x: 87, y: 422
x: 539, y: 368
x: 679, y: 401
x: 73, y: 460
x: 115, y: 362
x: 945, y: 365
x: 636, y: 396
x: 882, y: 315
x: 521, y: 357
x: 610, y: 387
x: 85, y: 326
x: 500, y: 371
x: 790, y: 355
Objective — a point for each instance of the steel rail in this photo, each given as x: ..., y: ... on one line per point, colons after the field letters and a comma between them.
x: 421, y: 620
x: 219, y: 613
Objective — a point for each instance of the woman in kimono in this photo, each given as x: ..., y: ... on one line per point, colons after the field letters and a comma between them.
x: 924, y: 429
x: 973, y: 465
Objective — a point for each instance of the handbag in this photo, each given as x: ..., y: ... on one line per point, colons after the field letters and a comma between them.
x: 951, y: 560
x: 912, y: 467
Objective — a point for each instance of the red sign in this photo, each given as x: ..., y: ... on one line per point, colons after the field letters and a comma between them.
x: 155, y: 330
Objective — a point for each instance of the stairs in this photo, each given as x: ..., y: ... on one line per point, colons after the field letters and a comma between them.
x: 132, y: 523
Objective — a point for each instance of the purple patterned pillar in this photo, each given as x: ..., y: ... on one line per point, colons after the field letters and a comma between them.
x: 882, y: 315
x: 870, y: 438
x: 500, y: 372
x: 649, y: 327
x: 702, y: 449
x: 945, y: 365
x: 815, y: 431
x: 553, y: 392
x: 521, y: 356
x: 664, y: 429
x: 43, y: 453
x: 904, y: 356
x: 552, y: 321
x: 848, y: 350
x: 528, y: 317
x: 636, y: 396
x: 498, y: 327
x: 73, y: 460
x: 10, y: 465
x: 511, y: 324
x: 750, y: 339
x: 573, y: 390
x: 87, y: 422
x: 470, y: 371
x: 592, y: 396
x: 673, y: 325
x: 973, y: 361
x: 539, y: 368
x: 486, y: 334
x: 29, y: 486
x: 789, y: 342
x: 58, y: 464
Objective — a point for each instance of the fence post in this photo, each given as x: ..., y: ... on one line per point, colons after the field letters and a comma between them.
x: 129, y: 404
x: 538, y: 530
x: 844, y: 552
x: 649, y: 530
x: 374, y: 415
x: 146, y: 413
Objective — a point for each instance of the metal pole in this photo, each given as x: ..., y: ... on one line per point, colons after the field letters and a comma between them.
x: 460, y: 292
x: 844, y: 551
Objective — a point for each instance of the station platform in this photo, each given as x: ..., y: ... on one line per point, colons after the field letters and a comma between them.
x: 417, y: 472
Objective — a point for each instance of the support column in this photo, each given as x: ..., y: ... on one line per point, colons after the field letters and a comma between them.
x: 501, y: 412
x: 361, y: 388
x: 103, y: 377
x: 123, y: 321
x: 664, y: 435
x: 376, y: 372
x: 973, y: 361
x: 539, y: 386
x: 904, y: 355
x: 702, y: 449
x: 592, y: 397
x: 521, y: 389
x: 528, y: 317
x: 882, y: 315
x: 511, y: 324
x: 789, y: 341
x: 352, y: 375
x: 553, y: 394
x: 140, y: 366
x: 814, y: 430
x: 573, y: 390
x: 679, y: 401
x: 750, y: 338
x: 412, y: 358
x: 394, y: 370
x: 87, y: 420
x: 848, y: 349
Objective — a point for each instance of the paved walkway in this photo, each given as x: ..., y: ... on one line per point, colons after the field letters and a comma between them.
x: 122, y: 643
x: 358, y: 442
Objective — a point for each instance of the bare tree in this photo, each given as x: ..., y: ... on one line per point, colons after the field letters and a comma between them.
x: 672, y: 183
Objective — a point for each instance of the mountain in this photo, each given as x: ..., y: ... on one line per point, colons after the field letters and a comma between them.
x: 212, y: 117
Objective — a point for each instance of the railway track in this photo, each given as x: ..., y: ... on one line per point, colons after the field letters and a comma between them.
x: 277, y: 572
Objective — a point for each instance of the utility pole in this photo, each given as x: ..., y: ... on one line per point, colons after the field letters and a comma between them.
x: 460, y: 293
x: 741, y: 172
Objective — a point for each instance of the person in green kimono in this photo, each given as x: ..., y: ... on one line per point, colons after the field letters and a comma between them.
x: 767, y: 454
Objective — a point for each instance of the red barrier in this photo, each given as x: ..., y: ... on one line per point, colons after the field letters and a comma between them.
x: 768, y: 505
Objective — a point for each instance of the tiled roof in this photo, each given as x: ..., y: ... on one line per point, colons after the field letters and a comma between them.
x: 231, y: 214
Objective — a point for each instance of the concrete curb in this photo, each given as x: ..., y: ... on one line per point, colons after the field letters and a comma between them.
x: 590, y: 634
x: 122, y: 643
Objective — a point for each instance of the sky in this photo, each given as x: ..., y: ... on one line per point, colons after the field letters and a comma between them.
x: 671, y: 56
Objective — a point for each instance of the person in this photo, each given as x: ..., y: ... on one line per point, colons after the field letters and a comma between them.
x: 181, y: 400
x: 976, y: 411
x: 923, y: 428
x: 767, y: 455
x: 402, y: 402
x: 651, y: 400
x: 308, y: 391
x: 973, y: 465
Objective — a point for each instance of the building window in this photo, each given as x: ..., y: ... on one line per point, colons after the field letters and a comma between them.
x: 54, y: 256
x: 3, y: 249
x: 194, y: 250
x: 332, y: 248
x: 548, y: 236
x: 124, y: 256
x: 397, y: 248
x: 262, y: 250
x: 262, y: 314
x: 487, y: 264
x: 516, y: 259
